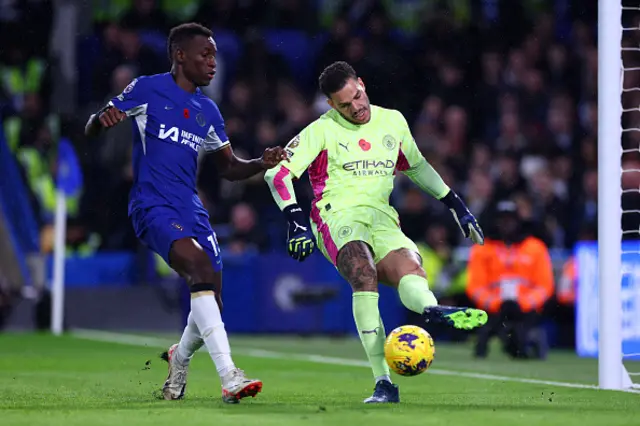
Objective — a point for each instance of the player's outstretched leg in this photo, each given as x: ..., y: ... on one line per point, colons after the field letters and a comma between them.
x: 402, y: 268
x: 189, y: 260
x: 355, y: 263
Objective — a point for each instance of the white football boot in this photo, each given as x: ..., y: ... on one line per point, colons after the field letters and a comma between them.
x: 235, y: 386
x: 176, y: 382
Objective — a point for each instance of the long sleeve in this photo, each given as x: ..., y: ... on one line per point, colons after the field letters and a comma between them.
x: 302, y: 150
x: 412, y: 163
x: 281, y: 186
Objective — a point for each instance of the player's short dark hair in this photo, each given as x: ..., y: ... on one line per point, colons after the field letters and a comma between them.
x: 182, y: 34
x: 335, y: 76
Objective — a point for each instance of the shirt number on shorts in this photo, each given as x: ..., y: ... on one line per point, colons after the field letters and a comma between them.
x: 214, y: 243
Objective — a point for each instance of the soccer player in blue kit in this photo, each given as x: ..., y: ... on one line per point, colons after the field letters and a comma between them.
x: 172, y: 121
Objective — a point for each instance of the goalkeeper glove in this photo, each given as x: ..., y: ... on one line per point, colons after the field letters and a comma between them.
x: 300, y: 241
x: 463, y: 217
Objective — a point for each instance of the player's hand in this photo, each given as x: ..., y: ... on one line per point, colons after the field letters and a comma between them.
x: 300, y: 241
x: 271, y: 157
x: 463, y: 217
x: 469, y: 226
x: 111, y: 116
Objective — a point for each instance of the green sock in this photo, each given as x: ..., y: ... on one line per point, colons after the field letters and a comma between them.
x: 371, y: 330
x: 415, y: 294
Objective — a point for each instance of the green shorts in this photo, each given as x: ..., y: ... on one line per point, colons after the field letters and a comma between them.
x: 378, y: 229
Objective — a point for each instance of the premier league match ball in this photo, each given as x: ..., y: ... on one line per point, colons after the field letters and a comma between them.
x: 409, y: 350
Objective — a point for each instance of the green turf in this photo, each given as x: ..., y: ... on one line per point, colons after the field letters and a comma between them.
x: 70, y: 381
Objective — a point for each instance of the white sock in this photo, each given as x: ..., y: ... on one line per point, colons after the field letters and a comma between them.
x: 206, y: 315
x: 190, y: 341
x: 381, y: 378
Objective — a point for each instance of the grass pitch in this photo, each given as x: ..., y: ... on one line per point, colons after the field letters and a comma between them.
x: 79, y: 380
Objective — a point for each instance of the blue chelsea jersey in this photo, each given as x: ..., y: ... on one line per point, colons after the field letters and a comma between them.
x: 170, y: 127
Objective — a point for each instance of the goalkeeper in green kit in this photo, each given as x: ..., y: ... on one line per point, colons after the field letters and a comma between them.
x: 352, y: 153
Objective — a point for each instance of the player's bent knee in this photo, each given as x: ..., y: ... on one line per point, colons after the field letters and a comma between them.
x: 418, y: 270
x: 401, y: 263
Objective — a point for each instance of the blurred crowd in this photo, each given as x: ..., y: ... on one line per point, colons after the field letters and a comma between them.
x: 501, y: 96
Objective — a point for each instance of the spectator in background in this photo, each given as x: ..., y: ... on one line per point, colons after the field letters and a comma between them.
x: 135, y: 53
x: 478, y: 191
x: 145, y: 15
x: 511, y: 138
x: 511, y: 277
x: 246, y: 236
x: 446, y: 279
x: 115, y: 146
x: 413, y: 213
x: 260, y: 68
x: 334, y: 48
x: 507, y: 175
x: 19, y: 128
x: 121, y: 45
x: 22, y: 73
x: 291, y: 15
x: 109, y: 59
x: 550, y: 210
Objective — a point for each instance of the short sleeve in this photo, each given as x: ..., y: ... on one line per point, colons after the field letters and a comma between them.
x: 133, y: 99
x: 304, y: 148
x: 216, y: 137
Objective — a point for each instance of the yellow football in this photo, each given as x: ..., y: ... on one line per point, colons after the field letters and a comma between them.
x: 409, y: 350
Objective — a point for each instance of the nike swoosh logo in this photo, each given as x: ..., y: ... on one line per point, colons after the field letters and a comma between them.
x: 374, y: 331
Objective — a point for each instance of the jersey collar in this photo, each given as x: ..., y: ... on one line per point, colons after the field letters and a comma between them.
x: 180, y: 90
x: 346, y: 123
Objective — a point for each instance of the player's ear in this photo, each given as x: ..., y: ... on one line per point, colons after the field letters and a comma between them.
x: 330, y: 102
x: 179, y: 55
x: 361, y: 84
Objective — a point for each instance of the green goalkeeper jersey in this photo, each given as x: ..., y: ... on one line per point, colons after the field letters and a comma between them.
x: 353, y: 165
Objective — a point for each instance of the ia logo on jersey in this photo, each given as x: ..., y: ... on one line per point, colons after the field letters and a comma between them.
x: 174, y: 134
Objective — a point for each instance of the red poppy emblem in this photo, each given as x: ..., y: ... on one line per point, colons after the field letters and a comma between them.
x: 366, y: 146
x: 186, y: 113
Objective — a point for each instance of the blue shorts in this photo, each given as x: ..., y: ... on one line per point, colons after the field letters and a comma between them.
x: 158, y: 227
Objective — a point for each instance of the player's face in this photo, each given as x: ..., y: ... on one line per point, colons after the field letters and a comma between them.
x: 352, y: 102
x: 199, y: 64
